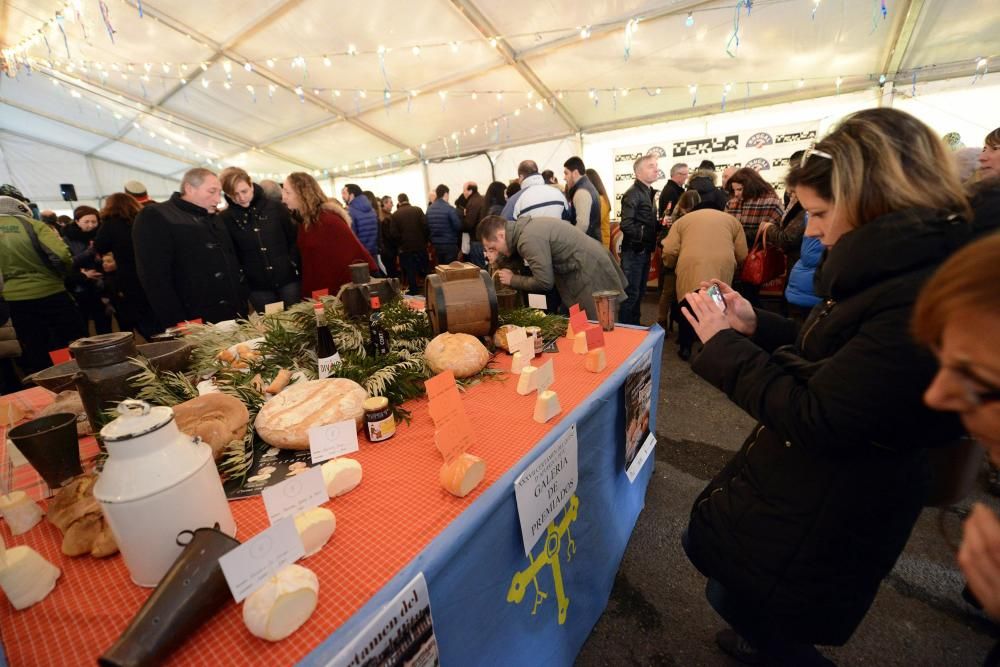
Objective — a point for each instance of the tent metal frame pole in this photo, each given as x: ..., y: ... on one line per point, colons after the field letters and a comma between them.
x: 77, y: 151
x: 899, y: 45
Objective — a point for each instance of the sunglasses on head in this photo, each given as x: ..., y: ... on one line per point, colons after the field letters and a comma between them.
x: 809, y: 152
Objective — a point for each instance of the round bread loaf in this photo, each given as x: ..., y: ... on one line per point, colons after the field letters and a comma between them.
x: 216, y: 418
x: 463, y: 354
x: 285, y: 420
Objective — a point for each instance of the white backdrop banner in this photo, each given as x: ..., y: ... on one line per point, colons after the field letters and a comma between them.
x: 766, y: 149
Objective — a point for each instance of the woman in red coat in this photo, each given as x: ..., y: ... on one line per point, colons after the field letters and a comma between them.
x: 325, y: 240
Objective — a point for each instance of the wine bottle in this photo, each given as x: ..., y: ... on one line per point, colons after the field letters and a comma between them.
x: 327, y: 356
x: 380, y: 337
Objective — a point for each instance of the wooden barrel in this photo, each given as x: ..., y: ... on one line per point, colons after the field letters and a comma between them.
x: 462, y: 306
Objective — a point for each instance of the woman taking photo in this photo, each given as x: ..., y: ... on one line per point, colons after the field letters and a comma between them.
x: 325, y: 240
x: 114, y: 244
x: 797, y: 531
x: 264, y: 238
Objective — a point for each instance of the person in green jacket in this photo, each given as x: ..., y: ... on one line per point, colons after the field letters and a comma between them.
x: 45, y: 316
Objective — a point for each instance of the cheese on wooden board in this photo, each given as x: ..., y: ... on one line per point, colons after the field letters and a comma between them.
x: 580, y: 343
x: 25, y: 576
x: 285, y: 420
x: 21, y: 512
x: 596, y: 360
x: 547, y: 406
x: 341, y: 476
x: 316, y: 526
x: 283, y: 604
x: 462, y: 474
x: 527, y: 382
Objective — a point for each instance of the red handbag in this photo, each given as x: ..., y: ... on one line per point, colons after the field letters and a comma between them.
x: 764, y: 262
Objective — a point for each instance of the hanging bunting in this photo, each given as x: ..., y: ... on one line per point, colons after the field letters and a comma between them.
x: 139, y: 3
x: 878, y: 8
x: 106, y: 16
x: 47, y: 47
x: 982, y: 69
x: 693, y: 89
x: 62, y: 29
x: 734, y: 40
x: 614, y: 100
x: 79, y: 22
x: 630, y: 28
x: 913, y: 84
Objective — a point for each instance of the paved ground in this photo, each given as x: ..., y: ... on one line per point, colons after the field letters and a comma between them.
x: 918, y: 617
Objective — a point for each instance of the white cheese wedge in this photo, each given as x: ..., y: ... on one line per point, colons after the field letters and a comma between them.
x: 580, y: 343
x: 283, y: 604
x: 21, y: 512
x: 462, y: 474
x: 26, y: 577
x: 316, y: 527
x: 341, y: 476
x: 528, y: 382
x: 595, y: 361
x: 518, y: 363
x: 547, y: 406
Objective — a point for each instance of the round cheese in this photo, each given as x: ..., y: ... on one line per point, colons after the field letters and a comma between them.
x: 282, y: 604
x: 461, y: 353
x: 285, y: 420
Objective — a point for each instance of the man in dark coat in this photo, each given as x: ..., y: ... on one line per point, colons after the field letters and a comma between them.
x: 185, y: 258
x: 408, y: 230
x: 672, y: 191
x: 473, y: 212
x: 584, y: 202
x: 364, y: 219
x: 445, y: 226
x: 639, y: 228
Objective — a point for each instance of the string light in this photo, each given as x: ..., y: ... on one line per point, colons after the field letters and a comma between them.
x: 585, y: 32
x: 416, y: 50
x: 689, y: 21
x: 352, y: 50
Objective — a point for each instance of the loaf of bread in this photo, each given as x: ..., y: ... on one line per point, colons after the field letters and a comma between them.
x: 285, y: 420
x: 76, y: 513
x: 463, y: 354
x: 216, y: 418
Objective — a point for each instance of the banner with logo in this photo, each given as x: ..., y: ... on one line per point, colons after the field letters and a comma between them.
x: 765, y: 149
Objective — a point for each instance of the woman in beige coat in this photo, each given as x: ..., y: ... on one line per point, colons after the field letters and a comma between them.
x: 703, y: 245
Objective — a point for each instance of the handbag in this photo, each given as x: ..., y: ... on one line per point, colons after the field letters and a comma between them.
x: 764, y: 262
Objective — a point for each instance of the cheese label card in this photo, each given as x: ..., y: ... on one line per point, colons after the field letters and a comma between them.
x: 317, y: 293
x: 60, y: 356
x: 515, y: 337
x: 545, y: 376
x: 440, y: 383
x: 272, y: 308
x: 575, y: 308
x: 595, y: 336
x: 545, y: 487
x: 296, y: 494
x: 453, y: 435
x: 527, y: 348
x: 578, y: 321
x: 537, y: 301
x: 249, y: 565
x: 333, y: 440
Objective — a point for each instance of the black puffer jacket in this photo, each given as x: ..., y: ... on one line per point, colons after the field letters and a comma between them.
x: 811, y: 514
x: 264, y: 238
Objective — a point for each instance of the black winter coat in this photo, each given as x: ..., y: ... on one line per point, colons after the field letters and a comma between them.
x: 263, y: 236
x: 408, y: 229
x: 187, y: 264
x: 115, y: 236
x: 811, y: 514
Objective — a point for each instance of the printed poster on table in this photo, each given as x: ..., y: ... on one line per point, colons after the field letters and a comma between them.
x: 638, y: 390
x: 765, y: 148
x: 402, y: 633
x: 268, y: 466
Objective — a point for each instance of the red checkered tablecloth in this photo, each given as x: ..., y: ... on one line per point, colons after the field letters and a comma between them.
x: 398, y: 509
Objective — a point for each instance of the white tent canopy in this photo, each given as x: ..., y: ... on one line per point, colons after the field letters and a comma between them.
x: 401, y: 96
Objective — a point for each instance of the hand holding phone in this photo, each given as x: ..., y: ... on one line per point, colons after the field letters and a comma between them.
x: 717, y: 297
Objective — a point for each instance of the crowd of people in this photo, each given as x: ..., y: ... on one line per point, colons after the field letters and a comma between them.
x: 874, y: 351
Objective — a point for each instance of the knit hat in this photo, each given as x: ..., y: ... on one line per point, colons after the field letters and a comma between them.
x: 12, y: 206
x: 135, y: 188
x: 8, y: 190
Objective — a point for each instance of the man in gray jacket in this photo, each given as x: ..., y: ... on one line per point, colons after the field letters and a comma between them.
x: 558, y: 255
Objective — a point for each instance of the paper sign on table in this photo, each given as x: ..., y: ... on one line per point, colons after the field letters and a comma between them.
x: 575, y: 308
x: 60, y: 356
x: 578, y: 321
x: 440, y: 383
x: 296, y: 494
x: 527, y: 348
x: 453, y: 436
x: 595, y: 336
x: 515, y: 337
x: 537, y: 301
x: 640, y: 458
x: 249, y: 565
x: 272, y: 308
x: 333, y: 440
x: 545, y: 376
x: 545, y: 487
x: 317, y: 293
x: 453, y: 432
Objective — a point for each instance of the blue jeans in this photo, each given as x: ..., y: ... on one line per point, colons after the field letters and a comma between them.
x: 635, y: 266
x: 446, y: 254
x: 289, y: 294
x: 414, y: 265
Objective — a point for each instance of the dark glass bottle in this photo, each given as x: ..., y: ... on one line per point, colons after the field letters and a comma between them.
x: 380, y: 337
x: 327, y: 356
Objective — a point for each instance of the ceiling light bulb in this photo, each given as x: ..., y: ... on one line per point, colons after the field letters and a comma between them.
x: 416, y: 50
x: 689, y: 21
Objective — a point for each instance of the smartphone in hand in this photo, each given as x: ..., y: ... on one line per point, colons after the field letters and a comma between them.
x: 717, y: 297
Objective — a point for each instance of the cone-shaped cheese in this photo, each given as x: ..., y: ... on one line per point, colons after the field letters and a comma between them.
x: 595, y: 361
x: 316, y: 527
x: 282, y: 604
x: 341, y: 476
x: 518, y: 363
x: 20, y: 512
x: 462, y: 474
x: 580, y: 343
x: 26, y: 577
x: 569, y: 332
x: 527, y: 383
x: 547, y: 406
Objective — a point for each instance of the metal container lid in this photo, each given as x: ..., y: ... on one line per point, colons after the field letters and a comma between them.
x: 136, y: 418
x: 103, y: 349
x: 376, y: 403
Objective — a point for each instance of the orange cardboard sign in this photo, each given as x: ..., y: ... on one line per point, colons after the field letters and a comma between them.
x: 60, y: 356
x: 595, y: 336
x: 317, y: 293
x: 453, y: 432
x: 578, y: 321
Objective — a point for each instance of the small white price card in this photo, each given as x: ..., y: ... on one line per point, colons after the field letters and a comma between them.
x: 545, y: 487
x: 295, y: 494
x: 515, y: 337
x: 545, y: 376
x: 333, y: 440
x: 640, y: 458
x: 249, y: 565
x: 537, y: 301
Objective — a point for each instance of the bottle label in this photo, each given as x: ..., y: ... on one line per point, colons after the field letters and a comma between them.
x: 327, y: 364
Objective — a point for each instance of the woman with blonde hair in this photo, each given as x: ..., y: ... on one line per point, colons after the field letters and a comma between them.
x: 263, y: 235
x: 797, y: 532
x: 325, y: 240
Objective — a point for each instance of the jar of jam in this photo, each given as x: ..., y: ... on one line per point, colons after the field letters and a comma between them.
x: 537, y: 333
x: 379, y: 423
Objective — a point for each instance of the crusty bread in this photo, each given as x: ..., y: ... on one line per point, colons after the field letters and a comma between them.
x: 216, y: 418
x: 285, y: 420
x: 460, y: 352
